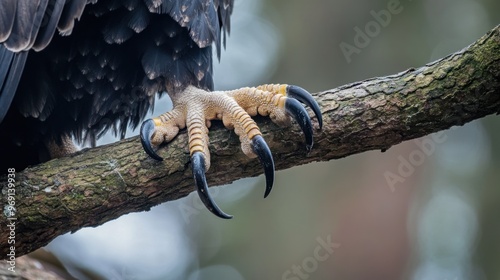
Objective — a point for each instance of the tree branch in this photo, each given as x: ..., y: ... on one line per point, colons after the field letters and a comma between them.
x: 100, y: 184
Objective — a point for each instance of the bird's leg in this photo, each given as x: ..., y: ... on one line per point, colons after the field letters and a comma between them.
x: 195, y: 108
x: 63, y: 148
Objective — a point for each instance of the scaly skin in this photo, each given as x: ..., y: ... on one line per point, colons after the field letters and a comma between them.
x: 194, y: 108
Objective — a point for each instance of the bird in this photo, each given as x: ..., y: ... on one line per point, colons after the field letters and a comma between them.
x: 75, y: 69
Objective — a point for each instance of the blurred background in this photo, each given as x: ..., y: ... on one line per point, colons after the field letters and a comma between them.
x: 342, y: 219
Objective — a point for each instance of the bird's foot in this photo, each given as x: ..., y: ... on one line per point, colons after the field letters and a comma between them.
x: 195, y: 108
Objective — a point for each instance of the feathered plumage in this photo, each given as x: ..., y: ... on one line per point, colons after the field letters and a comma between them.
x: 81, y: 67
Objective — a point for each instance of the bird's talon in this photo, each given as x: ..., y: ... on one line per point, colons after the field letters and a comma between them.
x: 198, y: 167
x: 305, y: 97
x: 266, y: 159
x: 147, y: 131
x: 299, y: 113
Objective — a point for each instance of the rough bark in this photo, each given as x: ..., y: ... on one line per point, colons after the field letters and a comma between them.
x: 100, y: 184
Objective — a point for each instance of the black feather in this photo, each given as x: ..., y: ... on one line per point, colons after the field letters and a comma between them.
x: 12, y: 65
x: 49, y: 24
x: 117, y: 30
x: 131, y: 4
x: 8, y: 11
x: 72, y: 11
x: 37, y: 22
x: 139, y: 20
x: 27, y: 20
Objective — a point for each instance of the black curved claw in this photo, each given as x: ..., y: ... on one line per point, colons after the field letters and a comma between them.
x: 305, y: 97
x: 294, y: 108
x: 147, y: 130
x: 266, y: 159
x: 198, y: 166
